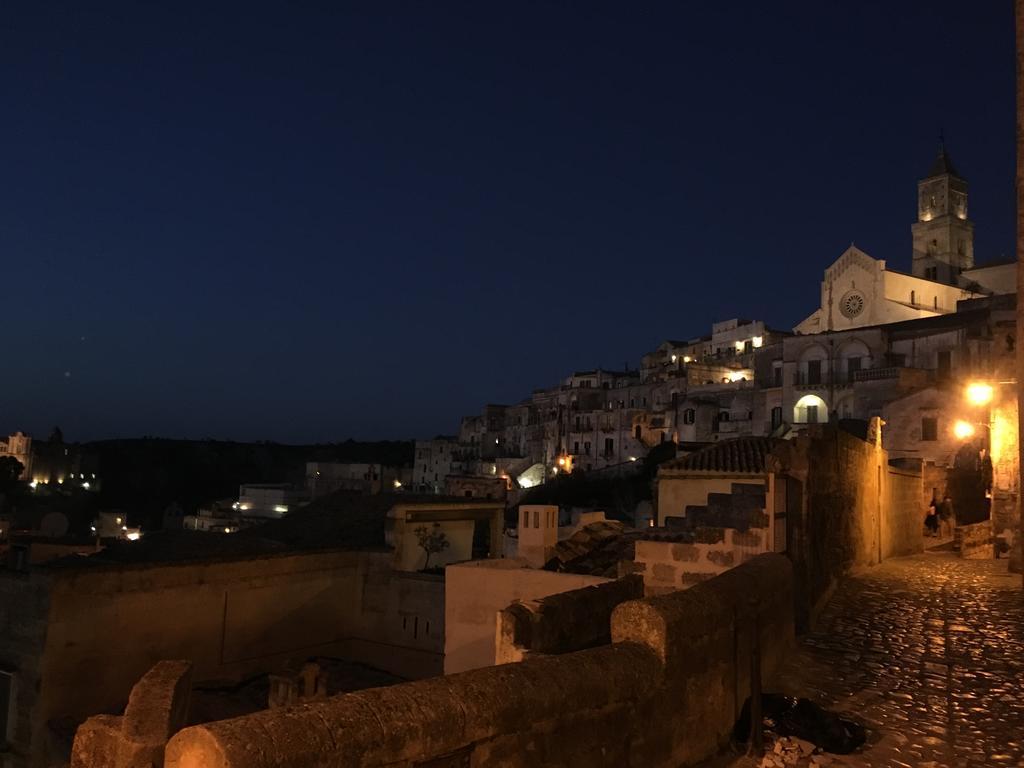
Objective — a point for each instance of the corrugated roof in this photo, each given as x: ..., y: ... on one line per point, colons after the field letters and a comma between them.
x: 741, y: 454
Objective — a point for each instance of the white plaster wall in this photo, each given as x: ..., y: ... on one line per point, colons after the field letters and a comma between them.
x: 411, y: 557
x: 677, y: 493
x: 898, y: 287
x: 474, y: 595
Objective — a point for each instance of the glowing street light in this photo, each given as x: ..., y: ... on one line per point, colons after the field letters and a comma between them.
x: 963, y: 430
x: 979, y: 393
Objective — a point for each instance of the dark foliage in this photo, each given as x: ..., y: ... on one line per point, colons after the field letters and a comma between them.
x: 144, y: 476
x: 10, y: 471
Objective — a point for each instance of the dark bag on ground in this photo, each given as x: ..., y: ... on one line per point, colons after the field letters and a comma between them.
x: 802, y: 718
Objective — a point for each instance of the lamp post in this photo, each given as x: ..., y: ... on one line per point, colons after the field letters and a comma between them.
x: 1015, y: 556
x: 971, y: 480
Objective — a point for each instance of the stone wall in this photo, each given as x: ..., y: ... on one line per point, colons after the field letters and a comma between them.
x: 1006, y: 477
x: 157, y: 709
x: 105, y: 626
x: 670, y: 565
x: 679, y: 490
x: 934, y: 483
x: 665, y: 693
x: 475, y: 592
x: 902, y: 516
x: 24, y: 611
x: 974, y: 542
x: 563, y: 622
x: 846, y: 509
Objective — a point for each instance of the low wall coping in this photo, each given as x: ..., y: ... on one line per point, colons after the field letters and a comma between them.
x: 415, y: 721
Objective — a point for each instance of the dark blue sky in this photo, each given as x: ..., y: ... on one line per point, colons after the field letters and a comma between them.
x: 311, y: 221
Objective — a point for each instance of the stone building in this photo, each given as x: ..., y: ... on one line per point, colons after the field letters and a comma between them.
x: 881, y: 342
x: 270, y: 499
x: 324, y: 477
x: 19, y: 446
x: 434, y: 461
x: 52, y: 461
x: 340, y: 578
x: 858, y: 290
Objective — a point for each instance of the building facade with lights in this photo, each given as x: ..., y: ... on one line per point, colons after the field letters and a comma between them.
x: 858, y: 290
x: 19, y: 446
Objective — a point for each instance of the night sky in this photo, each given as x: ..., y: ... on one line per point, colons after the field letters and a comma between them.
x: 307, y: 222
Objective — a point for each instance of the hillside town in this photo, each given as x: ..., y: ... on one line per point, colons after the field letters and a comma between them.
x: 264, y: 259
x: 530, y: 533
x: 900, y: 346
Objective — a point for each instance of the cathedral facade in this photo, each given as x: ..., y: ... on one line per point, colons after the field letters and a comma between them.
x: 858, y: 290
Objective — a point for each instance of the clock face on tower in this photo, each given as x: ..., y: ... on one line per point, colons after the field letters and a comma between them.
x: 852, y: 304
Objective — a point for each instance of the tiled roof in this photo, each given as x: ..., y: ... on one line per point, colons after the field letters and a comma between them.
x: 742, y: 454
x: 594, y: 550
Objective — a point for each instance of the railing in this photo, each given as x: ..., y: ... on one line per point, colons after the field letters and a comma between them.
x: 803, y: 379
x: 826, y: 379
x: 877, y: 374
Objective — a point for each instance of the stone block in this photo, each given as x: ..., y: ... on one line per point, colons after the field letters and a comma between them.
x: 685, y: 553
x: 746, y: 539
x: 157, y: 709
x: 664, y: 572
x: 97, y: 742
x: 653, y: 590
x: 758, y: 518
x: 689, y: 578
x: 722, y: 557
x: 710, y: 535
x: 748, y: 489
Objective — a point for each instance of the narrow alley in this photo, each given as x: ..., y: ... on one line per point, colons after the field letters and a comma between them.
x: 927, y: 652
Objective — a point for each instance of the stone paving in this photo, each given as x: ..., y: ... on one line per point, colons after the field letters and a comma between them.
x: 928, y: 653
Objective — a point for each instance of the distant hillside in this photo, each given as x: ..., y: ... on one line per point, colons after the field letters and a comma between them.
x: 143, y: 476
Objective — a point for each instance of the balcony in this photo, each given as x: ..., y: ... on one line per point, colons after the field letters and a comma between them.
x: 898, y: 375
x: 824, y: 380
x: 804, y: 380
x: 877, y: 374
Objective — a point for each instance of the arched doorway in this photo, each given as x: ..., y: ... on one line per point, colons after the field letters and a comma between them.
x: 810, y: 409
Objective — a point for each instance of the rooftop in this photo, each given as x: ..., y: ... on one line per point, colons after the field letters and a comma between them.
x: 942, y: 164
x: 742, y: 454
x: 339, y: 521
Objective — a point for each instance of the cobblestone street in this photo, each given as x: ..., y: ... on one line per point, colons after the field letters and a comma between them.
x: 928, y: 653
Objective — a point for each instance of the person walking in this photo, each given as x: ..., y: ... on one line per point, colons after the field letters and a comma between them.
x: 931, y: 520
x: 946, y: 517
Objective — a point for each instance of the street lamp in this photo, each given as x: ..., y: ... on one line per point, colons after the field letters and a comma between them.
x: 979, y: 394
x: 963, y: 430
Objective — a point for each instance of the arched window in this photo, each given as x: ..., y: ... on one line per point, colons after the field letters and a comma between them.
x: 913, y: 297
x: 810, y: 409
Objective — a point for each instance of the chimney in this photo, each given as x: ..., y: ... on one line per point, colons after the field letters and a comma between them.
x: 538, y: 533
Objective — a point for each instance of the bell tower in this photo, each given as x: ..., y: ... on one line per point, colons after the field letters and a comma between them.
x: 943, y: 235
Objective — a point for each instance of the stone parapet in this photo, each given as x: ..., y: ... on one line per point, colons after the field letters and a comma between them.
x: 157, y: 709
x: 665, y: 693
x: 564, y: 622
x: 975, y: 541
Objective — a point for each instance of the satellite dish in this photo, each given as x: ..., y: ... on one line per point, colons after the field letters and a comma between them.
x: 54, y: 525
